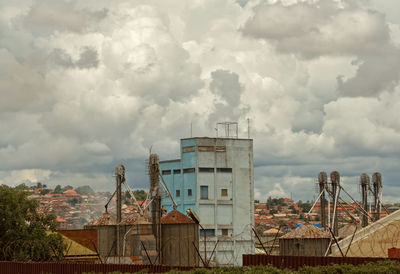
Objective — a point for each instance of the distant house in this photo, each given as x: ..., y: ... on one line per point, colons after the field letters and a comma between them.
x: 71, y: 193
x: 272, y: 232
x: 61, y: 223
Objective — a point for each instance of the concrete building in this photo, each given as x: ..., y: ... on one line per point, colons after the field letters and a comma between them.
x: 214, y: 177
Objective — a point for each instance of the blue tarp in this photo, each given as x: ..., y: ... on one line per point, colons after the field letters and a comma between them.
x: 316, y: 225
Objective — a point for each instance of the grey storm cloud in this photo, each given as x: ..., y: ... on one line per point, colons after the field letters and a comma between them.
x: 326, y: 27
x: 88, y: 58
x: 87, y: 85
x: 226, y: 86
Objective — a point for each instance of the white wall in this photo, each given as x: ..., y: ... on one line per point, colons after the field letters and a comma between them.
x: 236, y: 211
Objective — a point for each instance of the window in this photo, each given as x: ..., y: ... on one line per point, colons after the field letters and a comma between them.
x: 203, y: 192
x: 189, y: 192
x: 224, y: 192
x: 206, y: 148
x: 166, y: 172
x: 208, y: 232
x: 188, y: 170
x: 206, y: 169
x: 224, y: 232
x: 178, y: 193
x: 177, y: 171
x: 220, y: 149
x: 224, y: 169
x: 188, y: 149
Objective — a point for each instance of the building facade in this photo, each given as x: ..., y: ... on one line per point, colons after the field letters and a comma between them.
x: 214, y: 177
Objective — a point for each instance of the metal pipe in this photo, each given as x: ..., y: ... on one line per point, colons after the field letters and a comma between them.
x: 255, y: 233
x: 164, y: 185
x: 351, y: 241
x: 334, y: 238
x: 109, y: 200
x: 362, y: 209
x: 147, y: 254
x: 198, y: 253
x: 316, y: 200
x: 133, y: 197
x: 273, y: 243
x: 212, y: 253
x: 335, y: 219
x: 329, y: 246
x: 124, y: 241
x: 329, y: 212
x: 205, y: 243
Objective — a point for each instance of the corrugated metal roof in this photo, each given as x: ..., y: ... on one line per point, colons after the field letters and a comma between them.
x: 306, y: 231
x: 176, y: 217
x: 104, y: 219
x: 135, y: 220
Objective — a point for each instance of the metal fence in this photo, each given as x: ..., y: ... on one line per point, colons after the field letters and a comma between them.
x: 77, y: 268
x: 296, y: 262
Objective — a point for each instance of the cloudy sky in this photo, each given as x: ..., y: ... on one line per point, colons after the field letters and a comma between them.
x: 86, y: 85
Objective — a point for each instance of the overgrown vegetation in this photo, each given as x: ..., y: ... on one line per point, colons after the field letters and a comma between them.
x: 23, y: 235
x: 380, y: 267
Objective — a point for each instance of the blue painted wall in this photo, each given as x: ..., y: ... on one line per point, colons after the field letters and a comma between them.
x: 182, y: 181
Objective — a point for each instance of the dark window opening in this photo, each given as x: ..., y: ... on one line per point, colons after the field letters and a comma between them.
x: 203, y: 192
x: 220, y: 149
x: 224, y: 232
x: 177, y: 171
x: 166, y: 172
x: 224, y: 192
x: 188, y: 149
x: 205, y: 148
x: 224, y: 169
x: 206, y: 169
x: 208, y: 232
x: 178, y: 193
x: 188, y: 170
x: 189, y: 192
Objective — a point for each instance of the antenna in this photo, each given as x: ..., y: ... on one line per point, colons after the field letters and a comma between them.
x: 191, y: 129
x: 231, y: 129
x: 248, y: 128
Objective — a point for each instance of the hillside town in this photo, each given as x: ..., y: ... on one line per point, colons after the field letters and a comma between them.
x: 76, y: 207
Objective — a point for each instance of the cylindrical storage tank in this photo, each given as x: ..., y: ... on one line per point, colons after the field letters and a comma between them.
x: 179, y: 240
x: 306, y: 240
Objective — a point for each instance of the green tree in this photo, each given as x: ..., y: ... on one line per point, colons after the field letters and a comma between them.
x: 84, y: 190
x: 66, y: 188
x: 23, y: 235
x: 73, y: 201
x: 58, y: 190
x: 44, y: 191
x: 22, y: 186
x: 140, y: 194
x: 305, y: 206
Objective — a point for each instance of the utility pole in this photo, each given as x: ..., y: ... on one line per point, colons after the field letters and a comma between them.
x: 364, y: 181
x: 322, y: 179
x: 377, y: 181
